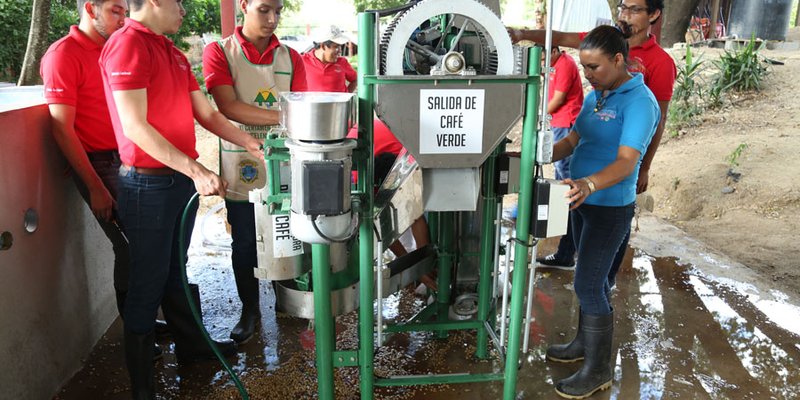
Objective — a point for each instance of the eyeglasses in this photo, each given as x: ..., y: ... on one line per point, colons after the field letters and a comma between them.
x: 622, y: 8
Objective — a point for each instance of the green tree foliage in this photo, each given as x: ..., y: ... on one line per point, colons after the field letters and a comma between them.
x: 362, y: 5
x: 16, y: 17
x: 202, y: 16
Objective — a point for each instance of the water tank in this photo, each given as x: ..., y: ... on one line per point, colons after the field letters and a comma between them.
x: 768, y: 19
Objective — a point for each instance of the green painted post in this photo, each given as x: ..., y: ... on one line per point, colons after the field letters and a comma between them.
x: 323, y: 319
x: 523, y: 226
x: 446, y: 255
x: 487, y: 250
x: 366, y: 104
x: 433, y: 227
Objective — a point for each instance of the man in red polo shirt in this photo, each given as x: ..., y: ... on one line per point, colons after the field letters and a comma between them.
x: 326, y: 71
x: 634, y: 19
x: 246, y: 72
x: 154, y: 99
x: 81, y: 124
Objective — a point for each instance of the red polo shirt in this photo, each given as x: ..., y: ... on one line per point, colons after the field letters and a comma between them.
x: 136, y: 58
x: 71, y: 76
x: 383, y: 139
x: 565, y: 78
x: 328, y: 77
x: 215, y: 65
x: 655, y: 64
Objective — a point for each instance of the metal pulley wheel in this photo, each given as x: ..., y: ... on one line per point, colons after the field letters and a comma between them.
x: 497, y: 53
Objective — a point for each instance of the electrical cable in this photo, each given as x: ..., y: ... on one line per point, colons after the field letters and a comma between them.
x: 353, y: 229
x: 195, y: 311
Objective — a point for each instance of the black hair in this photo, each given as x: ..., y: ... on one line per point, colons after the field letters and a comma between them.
x: 653, y: 5
x: 608, y: 39
x: 82, y: 2
x: 135, y: 5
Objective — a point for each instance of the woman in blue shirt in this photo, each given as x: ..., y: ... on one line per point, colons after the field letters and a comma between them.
x: 610, y: 135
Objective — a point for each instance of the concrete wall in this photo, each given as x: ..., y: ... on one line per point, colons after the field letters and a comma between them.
x: 56, y: 295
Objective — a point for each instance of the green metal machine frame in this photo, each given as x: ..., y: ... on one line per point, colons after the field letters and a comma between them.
x: 435, y: 317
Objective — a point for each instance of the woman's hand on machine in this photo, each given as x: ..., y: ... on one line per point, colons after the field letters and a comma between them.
x: 577, y: 193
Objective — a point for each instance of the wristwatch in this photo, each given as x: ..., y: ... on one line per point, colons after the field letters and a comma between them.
x: 589, y: 183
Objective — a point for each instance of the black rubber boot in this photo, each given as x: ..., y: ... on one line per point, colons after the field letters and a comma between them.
x: 247, y: 286
x: 570, y: 352
x: 139, y: 359
x: 596, y: 373
x: 157, y: 353
x: 190, y: 345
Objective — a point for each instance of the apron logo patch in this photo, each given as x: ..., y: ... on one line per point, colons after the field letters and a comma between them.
x: 248, y: 171
x: 265, y: 96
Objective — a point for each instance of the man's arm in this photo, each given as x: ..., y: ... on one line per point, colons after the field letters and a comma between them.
x: 558, y: 100
x: 132, y: 109
x: 239, y: 111
x: 644, y: 170
x: 100, y: 200
x: 565, y: 39
x: 217, y: 124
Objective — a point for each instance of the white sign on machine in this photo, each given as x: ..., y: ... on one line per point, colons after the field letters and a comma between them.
x: 451, y: 121
x: 283, y: 243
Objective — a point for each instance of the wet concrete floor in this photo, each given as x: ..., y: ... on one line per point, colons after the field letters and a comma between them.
x: 680, y: 333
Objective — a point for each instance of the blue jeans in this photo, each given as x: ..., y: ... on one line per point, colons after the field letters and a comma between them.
x: 599, y: 231
x: 612, y: 274
x: 106, y: 165
x: 151, y: 208
x: 566, y: 246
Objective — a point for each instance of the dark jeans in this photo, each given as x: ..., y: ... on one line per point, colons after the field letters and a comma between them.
x: 242, y: 218
x: 566, y: 246
x: 106, y: 164
x: 151, y: 208
x: 612, y: 274
x: 599, y: 231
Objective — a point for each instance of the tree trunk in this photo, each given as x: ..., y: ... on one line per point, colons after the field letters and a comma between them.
x: 797, y: 16
x: 540, y: 14
x: 612, y: 5
x: 37, y: 43
x: 677, y: 15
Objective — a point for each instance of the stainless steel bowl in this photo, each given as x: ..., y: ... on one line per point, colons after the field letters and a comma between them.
x: 317, y: 116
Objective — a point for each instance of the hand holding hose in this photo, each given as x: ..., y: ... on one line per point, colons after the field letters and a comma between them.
x: 208, y: 183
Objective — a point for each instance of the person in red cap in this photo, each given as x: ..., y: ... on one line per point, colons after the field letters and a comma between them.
x: 326, y: 70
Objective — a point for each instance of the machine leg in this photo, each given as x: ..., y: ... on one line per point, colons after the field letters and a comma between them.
x: 323, y: 319
x: 446, y: 229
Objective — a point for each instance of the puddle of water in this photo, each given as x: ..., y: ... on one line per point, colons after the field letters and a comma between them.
x: 678, y: 334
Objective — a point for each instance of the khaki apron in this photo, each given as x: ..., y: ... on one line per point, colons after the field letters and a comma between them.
x: 258, y: 85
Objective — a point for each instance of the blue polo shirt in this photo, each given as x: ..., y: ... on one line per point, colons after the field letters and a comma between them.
x: 628, y: 117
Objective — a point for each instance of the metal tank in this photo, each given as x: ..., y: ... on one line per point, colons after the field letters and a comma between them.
x: 767, y: 19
